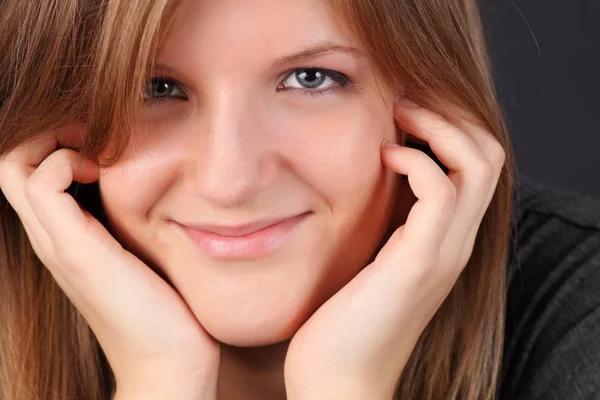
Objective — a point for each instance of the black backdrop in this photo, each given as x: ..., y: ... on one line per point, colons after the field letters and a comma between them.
x: 547, y: 67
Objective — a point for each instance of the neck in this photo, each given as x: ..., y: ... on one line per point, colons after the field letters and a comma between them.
x: 251, y: 373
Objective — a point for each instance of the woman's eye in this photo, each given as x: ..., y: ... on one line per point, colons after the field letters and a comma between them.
x: 160, y: 88
x: 315, y: 80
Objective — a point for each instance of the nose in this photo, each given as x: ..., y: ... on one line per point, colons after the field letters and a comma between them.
x: 234, y: 160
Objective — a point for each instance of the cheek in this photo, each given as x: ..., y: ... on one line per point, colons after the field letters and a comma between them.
x: 136, y: 183
x: 337, y: 153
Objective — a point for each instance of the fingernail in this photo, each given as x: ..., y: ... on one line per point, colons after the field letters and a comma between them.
x: 388, y: 143
x: 406, y: 102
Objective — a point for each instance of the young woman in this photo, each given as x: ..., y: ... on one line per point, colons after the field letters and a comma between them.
x: 218, y: 199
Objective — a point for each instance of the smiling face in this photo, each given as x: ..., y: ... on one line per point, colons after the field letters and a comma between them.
x: 232, y: 136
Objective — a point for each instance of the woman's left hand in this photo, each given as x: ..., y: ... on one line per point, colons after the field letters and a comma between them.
x: 356, y: 345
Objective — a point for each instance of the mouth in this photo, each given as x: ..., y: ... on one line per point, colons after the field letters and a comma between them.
x: 243, y: 242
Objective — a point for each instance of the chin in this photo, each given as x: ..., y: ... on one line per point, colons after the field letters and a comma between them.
x: 243, y: 332
x: 255, y: 324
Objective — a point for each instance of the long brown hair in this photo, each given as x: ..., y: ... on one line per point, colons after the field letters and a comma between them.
x: 86, y: 61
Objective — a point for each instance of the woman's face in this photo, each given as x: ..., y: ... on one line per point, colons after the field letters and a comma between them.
x: 240, y: 133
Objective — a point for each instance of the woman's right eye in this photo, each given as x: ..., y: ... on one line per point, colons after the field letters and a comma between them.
x: 160, y: 88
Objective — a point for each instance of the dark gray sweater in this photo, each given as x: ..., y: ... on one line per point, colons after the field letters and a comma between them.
x: 552, y: 347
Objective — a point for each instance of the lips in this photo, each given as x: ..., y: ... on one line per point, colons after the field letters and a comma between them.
x: 241, y: 229
x: 243, y: 242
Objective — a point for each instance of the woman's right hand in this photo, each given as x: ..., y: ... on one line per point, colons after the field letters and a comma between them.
x: 154, y: 344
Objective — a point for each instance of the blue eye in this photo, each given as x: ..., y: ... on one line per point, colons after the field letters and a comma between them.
x: 316, y: 81
x: 159, y: 88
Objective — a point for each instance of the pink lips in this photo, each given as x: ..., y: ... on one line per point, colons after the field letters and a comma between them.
x: 243, y: 242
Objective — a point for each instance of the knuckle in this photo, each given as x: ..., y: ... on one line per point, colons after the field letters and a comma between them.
x: 5, y: 178
x: 59, y: 159
x: 34, y: 189
x: 466, y: 253
x: 497, y: 155
x: 9, y: 169
x: 484, y: 172
x: 3, y: 169
x: 36, y: 186
x: 447, y: 193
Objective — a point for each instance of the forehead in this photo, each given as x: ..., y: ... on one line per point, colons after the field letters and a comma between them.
x: 236, y: 31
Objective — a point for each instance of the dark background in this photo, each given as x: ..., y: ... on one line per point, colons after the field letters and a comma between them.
x: 547, y: 68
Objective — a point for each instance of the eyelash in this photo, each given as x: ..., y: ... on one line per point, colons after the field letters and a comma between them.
x: 342, y: 80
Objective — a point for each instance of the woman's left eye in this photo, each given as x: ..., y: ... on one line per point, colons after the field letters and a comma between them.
x: 315, y: 81
x: 159, y: 88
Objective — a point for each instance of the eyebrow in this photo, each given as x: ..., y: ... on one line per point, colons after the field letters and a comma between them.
x: 317, y: 50
x: 314, y: 50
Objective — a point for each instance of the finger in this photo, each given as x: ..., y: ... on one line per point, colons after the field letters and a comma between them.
x: 13, y: 177
x: 487, y: 143
x: 496, y: 155
x: 87, y: 260
x: 57, y: 211
x: 469, y: 168
x: 33, y: 151
x: 430, y: 215
x: 16, y: 168
x: 494, y: 151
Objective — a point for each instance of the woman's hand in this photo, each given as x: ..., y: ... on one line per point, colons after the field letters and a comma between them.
x: 154, y: 344
x: 355, y: 346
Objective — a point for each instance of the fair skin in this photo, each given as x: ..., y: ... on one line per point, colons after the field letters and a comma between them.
x: 239, y: 150
x: 238, y: 146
